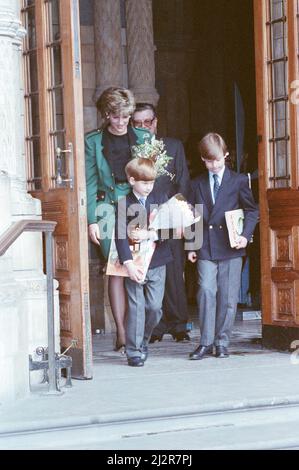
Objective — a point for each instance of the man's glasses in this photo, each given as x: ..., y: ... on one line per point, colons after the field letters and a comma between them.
x: 145, y: 123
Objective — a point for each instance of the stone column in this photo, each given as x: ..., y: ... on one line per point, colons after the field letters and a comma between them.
x: 108, y: 45
x: 109, y: 72
x: 140, y: 50
x: 13, y: 331
x: 23, y: 288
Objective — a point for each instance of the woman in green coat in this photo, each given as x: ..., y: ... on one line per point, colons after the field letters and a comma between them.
x: 107, y: 151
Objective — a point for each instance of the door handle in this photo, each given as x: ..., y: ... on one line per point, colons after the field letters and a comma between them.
x: 60, y: 181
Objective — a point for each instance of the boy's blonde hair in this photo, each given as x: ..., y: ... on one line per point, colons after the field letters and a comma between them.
x: 141, y: 169
x: 116, y: 100
x: 210, y: 146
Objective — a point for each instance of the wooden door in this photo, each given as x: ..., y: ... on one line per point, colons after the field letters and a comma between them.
x: 276, y: 39
x: 54, y: 120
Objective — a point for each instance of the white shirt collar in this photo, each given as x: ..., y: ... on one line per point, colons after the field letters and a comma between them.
x: 138, y: 196
x: 220, y: 175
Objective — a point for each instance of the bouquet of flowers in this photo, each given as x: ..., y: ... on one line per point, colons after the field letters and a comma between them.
x: 154, y: 149
x: 174, y: 214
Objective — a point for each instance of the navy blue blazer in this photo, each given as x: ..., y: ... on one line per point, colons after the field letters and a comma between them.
x: 162, y: 254
x: 178, y: 167
x: 234, y: 193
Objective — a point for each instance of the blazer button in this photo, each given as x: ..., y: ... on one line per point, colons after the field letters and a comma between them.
x: 210, y: 227
x: 220, y: 226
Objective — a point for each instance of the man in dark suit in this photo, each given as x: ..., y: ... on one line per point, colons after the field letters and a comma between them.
x: 175, y: 306
x: 219, y: 265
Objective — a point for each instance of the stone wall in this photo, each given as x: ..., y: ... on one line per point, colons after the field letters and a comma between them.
x: 88, y: 63
x: 23, y: 310
x: 117, y: 50
x: 202, y: 48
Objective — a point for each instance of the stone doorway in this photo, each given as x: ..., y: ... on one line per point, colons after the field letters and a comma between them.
x: 203, y: 49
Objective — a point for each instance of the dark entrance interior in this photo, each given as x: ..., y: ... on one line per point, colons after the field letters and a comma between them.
x: 205, y: 52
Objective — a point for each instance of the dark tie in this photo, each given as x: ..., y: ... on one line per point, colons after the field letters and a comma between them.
x: 142, y: 200
x: 216, y: 186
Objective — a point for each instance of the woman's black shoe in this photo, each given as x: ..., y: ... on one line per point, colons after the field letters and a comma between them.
x: 119, y: 347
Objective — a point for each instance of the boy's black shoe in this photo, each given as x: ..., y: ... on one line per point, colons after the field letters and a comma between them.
x: 221, y: 352
x: 144, y: 353
x: 201, y: 352
x: 135, y: 361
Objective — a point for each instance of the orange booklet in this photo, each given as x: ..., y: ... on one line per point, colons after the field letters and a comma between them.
x: 142, y: 254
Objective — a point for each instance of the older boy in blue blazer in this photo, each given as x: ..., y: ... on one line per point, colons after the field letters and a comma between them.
x: 219, y: 265
x: 144, y: 297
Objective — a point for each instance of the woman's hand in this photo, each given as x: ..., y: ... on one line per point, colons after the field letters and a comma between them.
x: 192, y: 256
x: 94, y: 233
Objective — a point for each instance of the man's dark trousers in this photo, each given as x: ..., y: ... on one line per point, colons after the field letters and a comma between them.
x: 175, y: 306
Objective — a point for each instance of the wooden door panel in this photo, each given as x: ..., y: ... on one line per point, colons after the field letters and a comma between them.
x: 283, y: 294
x: 72, y: 274
x: 283, y: 213
x: 283, y: 248
x: 276, y: 43
x: 60, y: 182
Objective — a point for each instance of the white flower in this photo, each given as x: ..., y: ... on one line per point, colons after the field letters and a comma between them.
x: 175, y: 213
x: 155, y: 150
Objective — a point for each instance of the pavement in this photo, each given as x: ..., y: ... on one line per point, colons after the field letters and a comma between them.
x: 168, y: 386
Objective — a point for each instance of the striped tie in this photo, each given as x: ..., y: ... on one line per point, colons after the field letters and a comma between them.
x: 216, y: 186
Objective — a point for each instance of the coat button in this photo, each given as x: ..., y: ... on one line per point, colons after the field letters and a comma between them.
x: 220, y: 226
x: 210, y: 227
x: 112, y: 188
x: 112, y: 202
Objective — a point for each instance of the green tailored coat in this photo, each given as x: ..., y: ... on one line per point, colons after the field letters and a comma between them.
x: 102, y: 190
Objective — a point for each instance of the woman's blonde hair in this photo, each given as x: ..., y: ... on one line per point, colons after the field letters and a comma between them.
x: 141, y: 169
x: 116, y: 100
x: 210, y: 146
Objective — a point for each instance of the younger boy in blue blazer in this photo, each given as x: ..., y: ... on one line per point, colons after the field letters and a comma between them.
x: 219, y: 266
x: 144, y: 297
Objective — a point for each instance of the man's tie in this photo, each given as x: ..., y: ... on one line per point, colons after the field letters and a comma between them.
x: 142, y: 200
x: 216, y: 186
